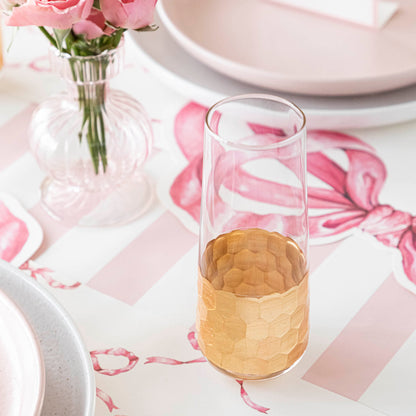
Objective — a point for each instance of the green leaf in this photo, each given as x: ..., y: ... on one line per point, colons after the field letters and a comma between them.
x: 150, y: 28
x: 96, y: 5
x: 111, y: 25
x: 116, y: 37
x: 60, y: 36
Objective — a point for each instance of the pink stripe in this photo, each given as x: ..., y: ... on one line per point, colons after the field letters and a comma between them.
x: 142, y: 263
x: 52, y: 230
x: 370, y: 340
x: 318, y: 254
x: 13, y: 137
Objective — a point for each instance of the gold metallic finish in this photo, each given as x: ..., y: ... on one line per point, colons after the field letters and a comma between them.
x: 253, y: 309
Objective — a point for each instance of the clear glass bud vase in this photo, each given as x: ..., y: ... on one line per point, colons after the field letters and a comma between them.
x: 90, y: 140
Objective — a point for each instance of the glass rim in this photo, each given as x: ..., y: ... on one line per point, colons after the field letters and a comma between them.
x: 282, y: 143
x: 104, y: 54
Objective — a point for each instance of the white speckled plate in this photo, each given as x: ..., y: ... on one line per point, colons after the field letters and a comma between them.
x: 70, y: 384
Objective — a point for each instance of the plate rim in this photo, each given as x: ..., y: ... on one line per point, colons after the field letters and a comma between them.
x: 405, y: 77
x: 204, y: 94
x: 85, y: 357
x: 24, y: 323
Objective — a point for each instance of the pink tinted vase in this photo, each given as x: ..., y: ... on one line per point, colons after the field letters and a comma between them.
x: 91, y: 141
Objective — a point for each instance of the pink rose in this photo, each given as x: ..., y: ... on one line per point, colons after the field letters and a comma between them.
x: 128, y: 14
x: 92, y: 27
x: 58, y: 14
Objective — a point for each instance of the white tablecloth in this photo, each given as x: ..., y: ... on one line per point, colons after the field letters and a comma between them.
x: 136, y: 298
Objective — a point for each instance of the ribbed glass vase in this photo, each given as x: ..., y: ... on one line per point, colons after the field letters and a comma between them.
x: 91, y: 141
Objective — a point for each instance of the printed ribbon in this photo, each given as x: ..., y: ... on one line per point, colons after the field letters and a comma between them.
x: 194, y: 344
x: 171, y: 361
x: 117, y: 352
x: 248, y: 401
x: 35, y: 271
x: 349, y: 196
x: 108, y: 401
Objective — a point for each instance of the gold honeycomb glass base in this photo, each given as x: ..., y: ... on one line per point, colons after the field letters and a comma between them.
x: 256, y: 377
x: 253, y: 307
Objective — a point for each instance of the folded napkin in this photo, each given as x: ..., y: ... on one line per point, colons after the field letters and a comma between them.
x: 372, y: 13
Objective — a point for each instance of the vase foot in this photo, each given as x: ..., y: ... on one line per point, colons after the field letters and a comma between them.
x: 73, y: 205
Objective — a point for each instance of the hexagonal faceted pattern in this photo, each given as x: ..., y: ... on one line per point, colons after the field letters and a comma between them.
x: 253, y: 262
x: 257, y: 330
x: 253, y: 308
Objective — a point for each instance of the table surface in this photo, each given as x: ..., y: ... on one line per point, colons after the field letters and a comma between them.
x: 136, y: 312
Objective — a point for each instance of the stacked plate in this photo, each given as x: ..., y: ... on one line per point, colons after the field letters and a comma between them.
x: 342, y: 76
x: 22, y: 384
x: 44, y: 366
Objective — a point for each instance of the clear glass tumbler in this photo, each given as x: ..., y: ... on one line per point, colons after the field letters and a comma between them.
x: 253, y: 297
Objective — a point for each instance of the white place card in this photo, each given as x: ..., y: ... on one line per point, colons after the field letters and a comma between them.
x: 371, y: 13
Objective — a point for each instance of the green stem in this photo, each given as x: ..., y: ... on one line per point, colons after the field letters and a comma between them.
x: 92, y: 141
x: 91, y: 89
x: 49, y: 36
x: 103, y: 147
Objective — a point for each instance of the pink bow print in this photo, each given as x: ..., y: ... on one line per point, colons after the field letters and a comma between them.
x: 354, y: 198
x: 351, y: 196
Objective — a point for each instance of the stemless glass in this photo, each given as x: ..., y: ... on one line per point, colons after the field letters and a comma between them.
x: 253, y: 297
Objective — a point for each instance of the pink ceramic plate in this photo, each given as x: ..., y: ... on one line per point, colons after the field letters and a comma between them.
x: 22, y: 380
x: 268, y: 45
